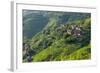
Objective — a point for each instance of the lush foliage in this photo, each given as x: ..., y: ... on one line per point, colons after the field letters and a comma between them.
x: 56, y: 36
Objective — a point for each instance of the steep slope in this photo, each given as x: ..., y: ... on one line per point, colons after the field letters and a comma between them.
x: 66, y: 46
x: 62, y: 37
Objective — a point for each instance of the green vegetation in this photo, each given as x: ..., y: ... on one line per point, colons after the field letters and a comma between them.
x: 56, y: 36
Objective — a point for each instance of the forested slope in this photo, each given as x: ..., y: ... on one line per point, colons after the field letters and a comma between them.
x: 56, y: 36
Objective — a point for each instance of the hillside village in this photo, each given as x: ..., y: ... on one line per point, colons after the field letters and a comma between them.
x: 59, y: 39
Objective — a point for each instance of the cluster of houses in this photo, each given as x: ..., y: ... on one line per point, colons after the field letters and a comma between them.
x: 75, y: 30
